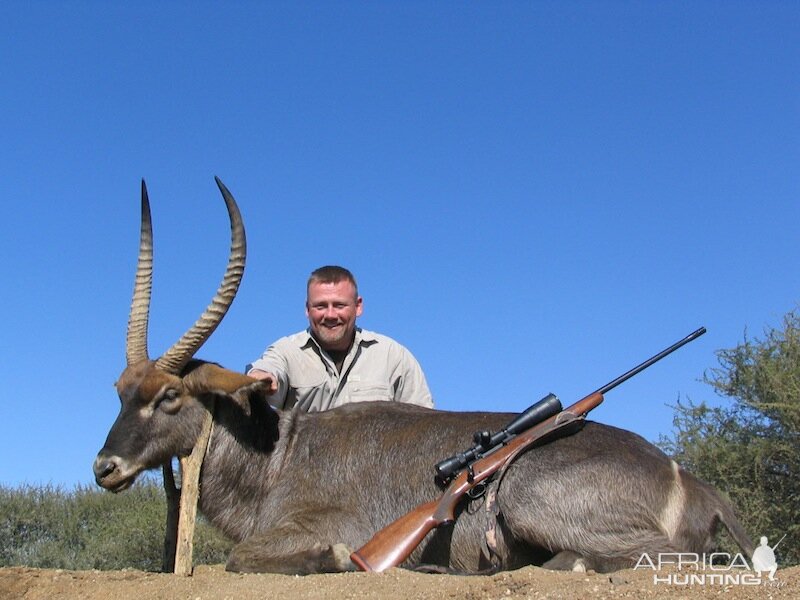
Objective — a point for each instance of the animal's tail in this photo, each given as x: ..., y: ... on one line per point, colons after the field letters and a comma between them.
x: 734, y: 527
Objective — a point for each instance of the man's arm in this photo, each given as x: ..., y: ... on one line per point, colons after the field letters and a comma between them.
x: 410, y: 385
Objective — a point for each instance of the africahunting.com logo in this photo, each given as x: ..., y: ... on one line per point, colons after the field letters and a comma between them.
x: 717, y: 568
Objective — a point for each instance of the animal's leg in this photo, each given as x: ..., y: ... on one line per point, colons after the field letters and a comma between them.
x: 259, y: 554
x: 567, y: 560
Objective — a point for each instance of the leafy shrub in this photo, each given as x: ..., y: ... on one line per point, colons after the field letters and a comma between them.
x: 87, y: 528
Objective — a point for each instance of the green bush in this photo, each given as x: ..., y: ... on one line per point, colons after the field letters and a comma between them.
x: 88, y: 528
x: 750, y: 448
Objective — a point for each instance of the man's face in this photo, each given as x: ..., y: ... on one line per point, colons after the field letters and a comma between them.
x: 332, y: 309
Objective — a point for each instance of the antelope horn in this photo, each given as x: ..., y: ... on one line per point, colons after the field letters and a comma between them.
x: 136, y: 344
x: 174, y: 359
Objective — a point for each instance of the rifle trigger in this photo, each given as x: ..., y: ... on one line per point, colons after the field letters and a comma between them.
x: 478, y: 491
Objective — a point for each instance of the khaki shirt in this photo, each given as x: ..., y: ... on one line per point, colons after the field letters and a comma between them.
x: 375, y: 368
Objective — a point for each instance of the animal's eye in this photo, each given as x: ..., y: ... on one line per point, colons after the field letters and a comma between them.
x: 170, y: 401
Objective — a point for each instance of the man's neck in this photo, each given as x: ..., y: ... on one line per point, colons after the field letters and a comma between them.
x: 338, y: 355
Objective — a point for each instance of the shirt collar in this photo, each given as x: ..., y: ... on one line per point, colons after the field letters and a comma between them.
x: 362, y: 337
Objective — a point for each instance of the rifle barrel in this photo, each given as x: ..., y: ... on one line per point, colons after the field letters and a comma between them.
x: 637, y: 369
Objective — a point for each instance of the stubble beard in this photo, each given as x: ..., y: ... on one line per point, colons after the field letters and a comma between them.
x: 332, y: 338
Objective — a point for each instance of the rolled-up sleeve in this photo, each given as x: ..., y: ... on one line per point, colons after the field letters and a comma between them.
x: 410, y: 383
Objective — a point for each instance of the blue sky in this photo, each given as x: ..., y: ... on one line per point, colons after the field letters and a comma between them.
x: 534, y: 196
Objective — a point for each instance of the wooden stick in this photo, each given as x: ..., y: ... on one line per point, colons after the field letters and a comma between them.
x: 190, y: 492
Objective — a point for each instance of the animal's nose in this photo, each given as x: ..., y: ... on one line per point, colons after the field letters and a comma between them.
x: 103, y: 467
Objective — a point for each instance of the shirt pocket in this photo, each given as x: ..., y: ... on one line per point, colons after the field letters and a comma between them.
x: 366, y: 391
x: 308, y: 391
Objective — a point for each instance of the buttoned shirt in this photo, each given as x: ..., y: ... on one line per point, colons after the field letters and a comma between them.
x: 375, y: 368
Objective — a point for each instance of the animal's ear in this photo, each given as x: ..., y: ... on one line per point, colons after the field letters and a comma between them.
x: 252, y: 396
x: 210, y: 378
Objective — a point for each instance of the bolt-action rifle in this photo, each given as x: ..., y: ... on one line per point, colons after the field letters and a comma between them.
x: 465, y: 471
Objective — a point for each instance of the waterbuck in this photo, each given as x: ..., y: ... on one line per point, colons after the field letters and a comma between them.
x: 297, y: 491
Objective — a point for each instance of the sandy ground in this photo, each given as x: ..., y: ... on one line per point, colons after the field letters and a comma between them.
x: 212, y: 582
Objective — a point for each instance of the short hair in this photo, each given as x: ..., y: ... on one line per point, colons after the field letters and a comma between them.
x: 331, y: 274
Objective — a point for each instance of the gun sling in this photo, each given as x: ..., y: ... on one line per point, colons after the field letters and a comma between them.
x: 566, y: 424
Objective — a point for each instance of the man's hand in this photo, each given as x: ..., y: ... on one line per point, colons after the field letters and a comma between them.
x: 268, y: 378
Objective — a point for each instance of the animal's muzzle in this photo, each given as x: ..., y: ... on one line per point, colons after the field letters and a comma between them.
x: 112, y: 473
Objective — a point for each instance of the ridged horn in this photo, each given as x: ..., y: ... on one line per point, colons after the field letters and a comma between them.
x: 174, y: 359
x: 136, y: 343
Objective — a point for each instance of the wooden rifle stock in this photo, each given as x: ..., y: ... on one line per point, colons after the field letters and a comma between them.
x: 394, y: 543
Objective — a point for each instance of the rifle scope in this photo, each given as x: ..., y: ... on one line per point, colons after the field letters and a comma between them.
x: 484, y: 441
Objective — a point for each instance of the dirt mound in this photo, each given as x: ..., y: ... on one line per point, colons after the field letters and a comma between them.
x: 212, y: 582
